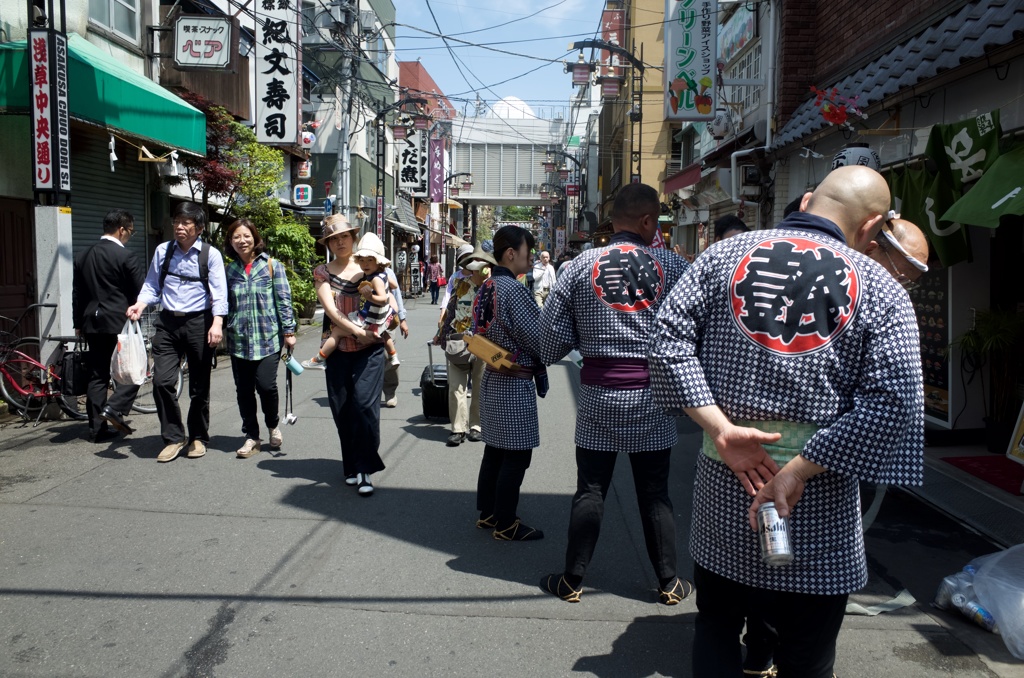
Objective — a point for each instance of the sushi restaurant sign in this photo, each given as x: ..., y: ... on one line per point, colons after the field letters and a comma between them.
x: 691, y: 51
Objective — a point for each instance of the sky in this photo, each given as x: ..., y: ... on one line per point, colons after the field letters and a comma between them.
x: 546, y: 34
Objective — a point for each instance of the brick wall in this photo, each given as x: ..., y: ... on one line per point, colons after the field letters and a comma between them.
x: 820, y: 42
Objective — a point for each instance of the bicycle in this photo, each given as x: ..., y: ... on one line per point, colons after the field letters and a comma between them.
x: 27, y: 384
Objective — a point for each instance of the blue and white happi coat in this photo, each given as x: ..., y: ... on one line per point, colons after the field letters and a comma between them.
x: 792, y: 324
x: 504, y: 311
x: 605, y: 304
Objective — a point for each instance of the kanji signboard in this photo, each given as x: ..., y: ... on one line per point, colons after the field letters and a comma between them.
x: 48, y: 78
x: 412, y: 163
x: 691, y: 51
x: 277, y: 72
x: 202, y: 41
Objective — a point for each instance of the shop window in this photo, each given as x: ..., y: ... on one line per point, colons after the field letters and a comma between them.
x: 120, y: 16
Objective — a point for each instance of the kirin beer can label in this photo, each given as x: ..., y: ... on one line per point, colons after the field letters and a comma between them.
x: 773, y: 531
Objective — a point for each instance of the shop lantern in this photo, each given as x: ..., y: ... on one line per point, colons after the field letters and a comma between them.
x: 563, y: 173
x: 611, y: 86
x: 399, y: 131
x: 304, y: 169
x: 307, y: 139
x: 721, y: 125
x: 549, y: 166
x: 453, y: 191
x: 581, y: 71
x: 857, y: 154
x: 467, y: 185
x: 544, y: 195
x: 421, y: 122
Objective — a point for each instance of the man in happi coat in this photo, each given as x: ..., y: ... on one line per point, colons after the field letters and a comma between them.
x: 799, y: 358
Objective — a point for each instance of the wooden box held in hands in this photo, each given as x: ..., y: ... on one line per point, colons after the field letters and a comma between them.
x: 492, y: 354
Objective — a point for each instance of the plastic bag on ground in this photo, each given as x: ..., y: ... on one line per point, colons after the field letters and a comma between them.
x: 999, y: 585
x: 128, y: 364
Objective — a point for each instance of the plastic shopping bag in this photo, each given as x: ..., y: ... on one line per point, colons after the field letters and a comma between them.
x: 128, y: 364
x: 999, y: 584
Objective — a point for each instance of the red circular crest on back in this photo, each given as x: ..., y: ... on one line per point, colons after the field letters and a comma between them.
x: 794, y: 295
x: 627, y: 278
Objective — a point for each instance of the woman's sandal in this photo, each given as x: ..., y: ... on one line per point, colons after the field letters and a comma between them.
x: 680, y: 589
x: 517, y: 531
x: 487, y: 523
x: 561, y: 588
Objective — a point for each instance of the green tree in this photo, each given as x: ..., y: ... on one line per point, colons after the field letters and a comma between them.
x: 259, y: 169
x: 518, y: 213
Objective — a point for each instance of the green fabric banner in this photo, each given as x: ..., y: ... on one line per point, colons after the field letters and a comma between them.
x: 998, y: 193
x: 921, y: 198
x: 965, y: 149
x: 962, y: 153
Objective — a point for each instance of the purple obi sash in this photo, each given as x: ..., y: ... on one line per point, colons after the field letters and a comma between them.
x: 624, y: 374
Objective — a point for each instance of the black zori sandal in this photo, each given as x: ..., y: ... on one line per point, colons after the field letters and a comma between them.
x: 556, y: 585
x: 675, y: 594
x: 518, y: 531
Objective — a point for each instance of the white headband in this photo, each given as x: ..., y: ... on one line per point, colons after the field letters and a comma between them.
x: 895, y: 243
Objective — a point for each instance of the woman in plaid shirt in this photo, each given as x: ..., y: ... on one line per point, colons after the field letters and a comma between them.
x: 260, y: 319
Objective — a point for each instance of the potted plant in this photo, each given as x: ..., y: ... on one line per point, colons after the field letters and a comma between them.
x: 997, y: 339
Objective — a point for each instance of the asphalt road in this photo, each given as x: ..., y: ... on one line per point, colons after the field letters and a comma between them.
x: 114, y: 565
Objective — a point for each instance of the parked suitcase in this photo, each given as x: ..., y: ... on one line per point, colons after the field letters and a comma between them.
x: 434, y: 388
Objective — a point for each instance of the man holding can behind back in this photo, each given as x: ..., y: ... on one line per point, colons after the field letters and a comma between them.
x: 799, y: 357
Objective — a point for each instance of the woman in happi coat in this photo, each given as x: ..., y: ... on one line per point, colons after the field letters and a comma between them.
x: 505, y: 313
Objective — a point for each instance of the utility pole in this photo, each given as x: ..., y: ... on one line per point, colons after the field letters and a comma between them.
x: 345, y: 100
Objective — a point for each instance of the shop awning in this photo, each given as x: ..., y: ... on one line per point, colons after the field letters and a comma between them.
x: 998, y: 193
x: 684, y: 179
x: 403, y: 227
x: 104, y: 92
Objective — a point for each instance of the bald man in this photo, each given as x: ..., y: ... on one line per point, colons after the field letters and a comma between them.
x: 902, y: 249
x: 799, y: 358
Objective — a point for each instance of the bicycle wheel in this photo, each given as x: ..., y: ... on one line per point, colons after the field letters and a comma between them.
x: 24, y: 385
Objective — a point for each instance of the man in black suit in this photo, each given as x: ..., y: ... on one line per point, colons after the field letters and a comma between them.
x: 108, y: 278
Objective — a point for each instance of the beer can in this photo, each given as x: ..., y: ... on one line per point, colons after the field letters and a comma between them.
x: 773, y: 531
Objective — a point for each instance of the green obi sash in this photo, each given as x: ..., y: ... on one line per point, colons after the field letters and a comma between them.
x: 794, y: 438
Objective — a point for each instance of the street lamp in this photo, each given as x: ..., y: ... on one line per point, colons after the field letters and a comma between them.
x: 549, y: 166
x: 611, y: 85
x: 421, y: 122
x: 563, y: 173
x: 467, y: 184
x: 580, y: 70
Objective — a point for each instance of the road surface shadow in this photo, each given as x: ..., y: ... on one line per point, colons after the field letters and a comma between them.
x: 650, y: 646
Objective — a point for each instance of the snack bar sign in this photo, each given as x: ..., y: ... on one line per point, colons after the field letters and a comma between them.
x: 277, y: 72
x: 48, y: 75
x: 691, y: 33
x: 202, y: 42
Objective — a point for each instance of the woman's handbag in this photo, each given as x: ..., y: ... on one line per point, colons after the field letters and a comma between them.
x: 442, y: 281
x: 456, y: 351
x: 74, y: 374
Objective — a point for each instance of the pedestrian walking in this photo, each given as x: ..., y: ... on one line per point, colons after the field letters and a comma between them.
x: 260, y: 322
x: 458, y: 274
x: 605, y: 304
x: 543, y: 278
x: 107, y: 279
x: 799, y: 357
x: 434, y: 275
x: 504, y: 312
x: 186, y: 277
x: 355, y: 371
x: 464, y: 409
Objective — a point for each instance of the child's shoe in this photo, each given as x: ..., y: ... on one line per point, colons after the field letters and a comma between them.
x: 314, y: 363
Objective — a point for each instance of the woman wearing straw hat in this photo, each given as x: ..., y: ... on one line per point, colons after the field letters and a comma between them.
x: 355, y: 370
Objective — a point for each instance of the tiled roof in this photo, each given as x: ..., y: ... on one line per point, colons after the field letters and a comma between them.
x: 968, y: 34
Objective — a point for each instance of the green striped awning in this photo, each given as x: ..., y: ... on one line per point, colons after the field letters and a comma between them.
x: 104, y: 92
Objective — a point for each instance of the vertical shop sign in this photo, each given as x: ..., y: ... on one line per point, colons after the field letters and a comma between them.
x: 412, y: 163
x: 691, y: 36
x: 48, y: 78
x: 437, y: 170
x: 611, y: 32
x: 277, y: 73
